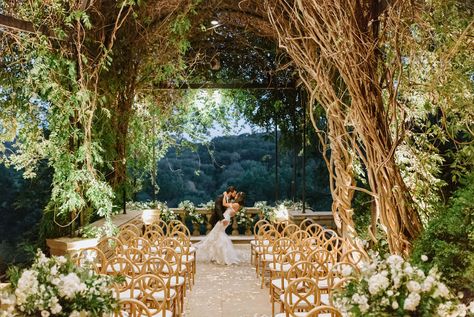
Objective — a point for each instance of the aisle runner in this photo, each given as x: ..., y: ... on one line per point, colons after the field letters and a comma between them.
x: 228, y: 291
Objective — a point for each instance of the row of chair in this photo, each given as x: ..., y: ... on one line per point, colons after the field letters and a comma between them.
x: 314, y: 256
x: 156, y: 264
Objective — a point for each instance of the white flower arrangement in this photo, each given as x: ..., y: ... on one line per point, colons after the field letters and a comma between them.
x: 190, y: 211
x: 393, y: 287
x: 242, y: 217
x: 268, y: 212
x: 166, y: 214
x: 57, y: 287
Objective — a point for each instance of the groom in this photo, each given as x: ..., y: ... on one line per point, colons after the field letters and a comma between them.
x: 219, y: 208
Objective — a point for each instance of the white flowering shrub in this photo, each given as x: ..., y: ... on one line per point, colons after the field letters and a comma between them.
x: 57, y: 287
x: 393, y: 287
x: 243, y: 218
x: 190, y: 211
x: 268, y: 212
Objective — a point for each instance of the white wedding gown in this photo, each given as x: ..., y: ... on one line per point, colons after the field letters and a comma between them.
x: 217, y: 246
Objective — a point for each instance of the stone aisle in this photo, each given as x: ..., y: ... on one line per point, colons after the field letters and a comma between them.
x: 228, y: 291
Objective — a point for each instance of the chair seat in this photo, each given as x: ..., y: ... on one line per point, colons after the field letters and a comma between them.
x: 279, y: 267
x: 277, y: 283
x: 267, y: 257
x: 187, y: 258
x: 260, y: 249
x: 174, y: 267
x: 264, y: 242
x: 160, y: 296
x: 117, y: 268
x: 175, y: 282
x: 129, y: 294
x: 324, y: 299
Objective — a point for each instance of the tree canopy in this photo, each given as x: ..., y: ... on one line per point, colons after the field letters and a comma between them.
x: 388, y: 87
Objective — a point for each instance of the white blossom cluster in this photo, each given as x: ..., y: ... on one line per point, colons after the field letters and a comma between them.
x: 242, y: 217
x: 53, y: 287
x: 268, y: 212
x: 393, y: 287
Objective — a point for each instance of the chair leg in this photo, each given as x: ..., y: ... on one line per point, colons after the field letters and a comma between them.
x: 264, y: 263
x: 257, y: 265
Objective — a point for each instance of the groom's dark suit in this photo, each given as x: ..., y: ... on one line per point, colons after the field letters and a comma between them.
x: 219, y: 210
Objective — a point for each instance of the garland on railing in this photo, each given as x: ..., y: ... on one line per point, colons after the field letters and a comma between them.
x: 242, y: 217
x: 268, y: 212
x: 190, y: 211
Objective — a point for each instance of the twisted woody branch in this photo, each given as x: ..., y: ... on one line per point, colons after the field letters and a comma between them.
x: 346, y: 39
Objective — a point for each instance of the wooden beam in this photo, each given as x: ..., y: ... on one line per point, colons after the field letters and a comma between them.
x: 16, y: 24
x: 10, y: 22
x: 265, y: 86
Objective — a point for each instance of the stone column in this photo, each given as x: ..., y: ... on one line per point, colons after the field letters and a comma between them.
x: 235, y: 227
x: 208, y: 223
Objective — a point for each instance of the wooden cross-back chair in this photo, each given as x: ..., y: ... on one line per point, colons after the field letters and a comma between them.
x: 110, y: 246
x: 125, y: 235
x: 131, y: 307
x: 324, y: 310
x: 132, y: 227
x: 92, y: 258
x: 154, y: 293
x: 265, y: 252
x: 301, y: 294
x: 305, y: 223
x: 253, y: 242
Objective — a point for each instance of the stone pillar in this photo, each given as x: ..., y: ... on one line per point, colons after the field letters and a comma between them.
x: 235, y: 227
x: 208, y: 223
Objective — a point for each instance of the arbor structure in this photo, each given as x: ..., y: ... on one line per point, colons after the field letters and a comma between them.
x: 81, y: 88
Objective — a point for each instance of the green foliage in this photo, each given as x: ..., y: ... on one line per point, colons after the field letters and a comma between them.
x: 245, y: 161
x: 448, y: 240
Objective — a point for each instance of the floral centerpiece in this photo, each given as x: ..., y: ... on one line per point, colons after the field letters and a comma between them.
x: 209, y: 205
x: 242, y: 217
x: 393, y: 287
x: 190, y: 211
x: 268, y: 212
x: 57, y: 287
x: 166, y: 214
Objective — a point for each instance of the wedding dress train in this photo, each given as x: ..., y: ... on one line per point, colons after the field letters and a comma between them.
x: 217, y: 246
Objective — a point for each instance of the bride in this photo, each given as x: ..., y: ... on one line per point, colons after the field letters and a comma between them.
x: 217, y: 246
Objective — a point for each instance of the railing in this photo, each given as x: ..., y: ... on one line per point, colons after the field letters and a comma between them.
x: 324, y: 218
x: 254, y: 214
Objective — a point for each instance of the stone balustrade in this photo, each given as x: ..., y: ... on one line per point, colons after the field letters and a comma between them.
x: 253, y: 213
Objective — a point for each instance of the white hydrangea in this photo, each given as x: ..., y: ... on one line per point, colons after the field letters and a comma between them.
x: 428, y: 283
x: 395, y: 261
x: 362, y: 301
x: 412, y: 301
x: 441, y: 290
x: 448, y: 309
x: 69, y: 285
x: 395, y: 305
x: 27, y: 285
x: 377, y: 283
x: 413, y: 287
